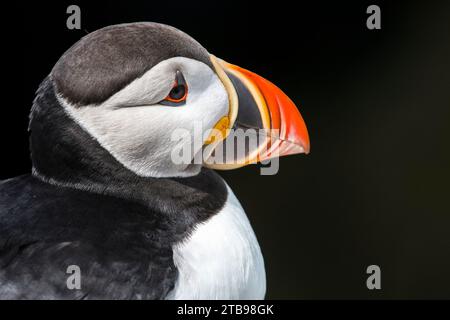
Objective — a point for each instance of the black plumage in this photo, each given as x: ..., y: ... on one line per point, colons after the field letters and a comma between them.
x: 122, y: 247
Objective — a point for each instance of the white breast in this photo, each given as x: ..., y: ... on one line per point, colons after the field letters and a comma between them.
x: 221, y: 259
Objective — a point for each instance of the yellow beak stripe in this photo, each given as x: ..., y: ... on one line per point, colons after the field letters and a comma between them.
x: 221, y: 128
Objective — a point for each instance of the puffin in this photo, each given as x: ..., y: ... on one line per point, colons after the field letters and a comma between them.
x: 105, y: 194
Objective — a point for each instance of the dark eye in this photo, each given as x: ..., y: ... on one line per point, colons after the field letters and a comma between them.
x: 178, y: 94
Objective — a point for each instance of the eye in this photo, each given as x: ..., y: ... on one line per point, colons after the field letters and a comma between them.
x: 178, y: 94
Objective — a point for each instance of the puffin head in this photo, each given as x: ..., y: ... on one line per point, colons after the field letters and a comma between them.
x: 130, y: 86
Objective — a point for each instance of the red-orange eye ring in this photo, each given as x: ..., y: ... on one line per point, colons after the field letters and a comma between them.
x: 178, y: 94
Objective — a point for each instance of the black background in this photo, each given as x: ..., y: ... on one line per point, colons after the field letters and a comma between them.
x: 375, y: 188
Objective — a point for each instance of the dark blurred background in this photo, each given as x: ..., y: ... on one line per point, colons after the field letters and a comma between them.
x: 375, y: 188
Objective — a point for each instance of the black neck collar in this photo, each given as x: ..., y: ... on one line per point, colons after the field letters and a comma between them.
x: 64, y: 154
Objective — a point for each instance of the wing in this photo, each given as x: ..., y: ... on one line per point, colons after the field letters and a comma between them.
x: 48, y: 234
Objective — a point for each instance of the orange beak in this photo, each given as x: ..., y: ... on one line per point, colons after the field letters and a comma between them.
x: 257, y: 105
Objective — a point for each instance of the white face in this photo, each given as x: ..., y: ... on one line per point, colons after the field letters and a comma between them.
x: 136, y: 129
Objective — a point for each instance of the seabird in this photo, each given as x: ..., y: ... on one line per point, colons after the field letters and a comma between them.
x: 105, y: 194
